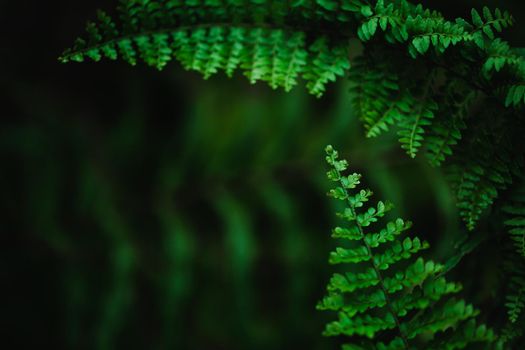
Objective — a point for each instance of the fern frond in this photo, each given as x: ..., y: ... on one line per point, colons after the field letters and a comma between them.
x: 487, y: 22
x: 412, y: 125
x: 375, y: 93
x: 469, y: 330
x: 284, y: 42
x: 515, y: 260
x: 445, y: 133
x: 149, y: 29
x: 429, y: 32
x: 499, y: 56
x: 383, y: 101
x: 511, y: 333
x: 514, y: 266
x: 515, y: 94
x: 515, y: 209
x: 391, y: 290
x: 488, y: 164
x: 208, y: 37
x: 516, y: 301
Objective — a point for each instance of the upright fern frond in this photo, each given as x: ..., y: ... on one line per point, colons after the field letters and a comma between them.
x: 390, y: 292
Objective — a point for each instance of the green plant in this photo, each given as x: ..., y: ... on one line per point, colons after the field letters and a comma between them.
x: 389, y: 286
x: 515, y: 263
x: 439, y: 82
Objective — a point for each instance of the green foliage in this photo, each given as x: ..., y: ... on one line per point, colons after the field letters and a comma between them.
x: 390, y: 292
x: 515, y: 259
x: 516, y: 298
x: 446, y: 132
x: 208, y: 37
x: 406, y: 76
x: 452, y: 89
x: 488, y: 163
x: 514, y: 266
x: 516, y: 222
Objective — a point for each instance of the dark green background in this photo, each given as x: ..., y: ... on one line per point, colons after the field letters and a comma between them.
x: 155, y: 210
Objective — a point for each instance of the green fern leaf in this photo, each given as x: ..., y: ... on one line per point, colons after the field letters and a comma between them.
x: 206, y: 37
x: 387, y: 297
x: 445, y: 133
x: 516, y: 221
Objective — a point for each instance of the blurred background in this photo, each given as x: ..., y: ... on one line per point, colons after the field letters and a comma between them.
x: 155, y: 210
